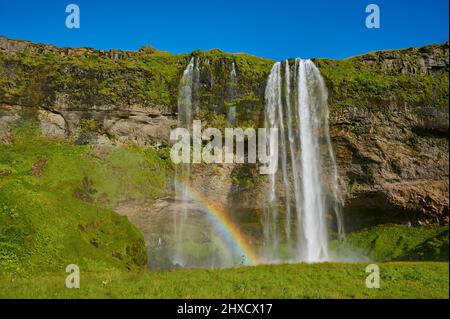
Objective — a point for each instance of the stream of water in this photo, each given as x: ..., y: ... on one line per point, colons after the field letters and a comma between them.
x: 302, y: 196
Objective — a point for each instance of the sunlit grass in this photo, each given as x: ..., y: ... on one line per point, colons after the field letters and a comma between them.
x: 327, y: 280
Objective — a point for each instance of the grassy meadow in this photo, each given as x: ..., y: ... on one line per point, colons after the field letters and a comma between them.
x: 327, y: 280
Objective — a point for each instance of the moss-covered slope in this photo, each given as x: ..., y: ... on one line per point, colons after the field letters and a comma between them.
x: 56, y: 200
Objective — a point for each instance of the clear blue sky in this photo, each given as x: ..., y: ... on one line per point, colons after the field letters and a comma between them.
x: 275, y: 29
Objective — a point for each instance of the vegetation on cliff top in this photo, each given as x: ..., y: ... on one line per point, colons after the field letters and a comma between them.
x: 84, y: 78
x: 378, y: 77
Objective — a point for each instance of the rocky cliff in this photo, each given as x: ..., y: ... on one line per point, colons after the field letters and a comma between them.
x: 389, y: 123
x: 388, y: 115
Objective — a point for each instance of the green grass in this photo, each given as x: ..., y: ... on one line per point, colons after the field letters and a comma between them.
x: 117, y: 174
x: 328, y: 280
x: 395, y: 242
x: 41, y: 231
x: 56, y: 202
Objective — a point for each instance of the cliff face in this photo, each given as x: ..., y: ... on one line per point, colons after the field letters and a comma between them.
x: 119, y: 96
x: 388, y: 115
x: 389, y: 123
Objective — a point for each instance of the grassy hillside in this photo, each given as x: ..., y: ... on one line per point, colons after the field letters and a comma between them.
x: 395, y: 242
x: 56, y: 199
x: 397, y: 280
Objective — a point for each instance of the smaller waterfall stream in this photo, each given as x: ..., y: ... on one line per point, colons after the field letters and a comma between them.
x: 199, y: 238
x: 232, y: 95
x: 185, y: 109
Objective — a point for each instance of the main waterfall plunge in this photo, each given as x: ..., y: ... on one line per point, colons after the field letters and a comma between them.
x: 296, y: 103
x: 302, y: 199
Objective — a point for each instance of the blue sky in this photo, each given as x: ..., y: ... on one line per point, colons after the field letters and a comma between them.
x: 277, y: 29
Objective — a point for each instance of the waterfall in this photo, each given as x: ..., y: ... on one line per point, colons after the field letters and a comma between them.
x: 185, y: 108
x: 199, y: 238
x: 232, y: 95
x: 188, y: 91
x: 298, y: 104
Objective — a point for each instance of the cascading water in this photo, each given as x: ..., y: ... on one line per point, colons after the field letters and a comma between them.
x: 298, y: 105
x: 232, y: 95
x: 185, y: 109
x: 302, y: 193
x: 199, y: 238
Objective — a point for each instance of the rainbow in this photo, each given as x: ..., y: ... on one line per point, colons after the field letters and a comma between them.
x: 225, y: 225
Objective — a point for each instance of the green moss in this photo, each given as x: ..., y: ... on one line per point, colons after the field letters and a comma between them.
x: 147, y: 77
x: 395, y: 242
x: 43, y: 231
x: 214, y: 96
x: 91, y: 78
x: 352, y: 186
x: 89, y: 125
x: 150, y: 77
x: 356, y: 82
x: 56, y: 201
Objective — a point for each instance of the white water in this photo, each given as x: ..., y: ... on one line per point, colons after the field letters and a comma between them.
x: 296, y: 102
x: 300, y: 195
x: 232, y: 95
x: 185, y: 109
x: 193, y: 225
